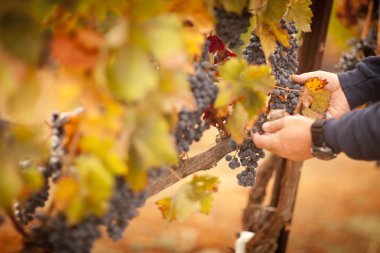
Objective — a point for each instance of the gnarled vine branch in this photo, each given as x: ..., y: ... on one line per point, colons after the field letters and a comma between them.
x: 204, y: 161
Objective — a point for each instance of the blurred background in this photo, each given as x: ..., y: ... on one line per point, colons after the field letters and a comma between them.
x: 337, y: 208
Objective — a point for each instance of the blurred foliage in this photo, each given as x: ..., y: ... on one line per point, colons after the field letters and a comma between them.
x: 126, y: 63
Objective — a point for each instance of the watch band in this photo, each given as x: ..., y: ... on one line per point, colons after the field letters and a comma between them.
x: 317, y: 132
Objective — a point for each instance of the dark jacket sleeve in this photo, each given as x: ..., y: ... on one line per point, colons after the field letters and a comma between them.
x: 362, y: 84
x: 357, y: 133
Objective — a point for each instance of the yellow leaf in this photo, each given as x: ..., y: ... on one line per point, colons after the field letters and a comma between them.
x: 152, y: 143
x: 232, y: 69
x: 233, y: 5
x: 237, y: 122
x: 275, y: 9
x: 143, y: 10
x: 137, y: 176
x: 268, y: 40
x: 191, y: 197
x: 168, y: 213
x: 226, y: 94
x: 10, y: 184
x: 185, y: 205
x: 163, y: 35
x: 67, y: 190
x: 315, y: 100
x: 281, y: 35
x: 321, y: 101
x: 199, y: 13
x: 132, y: 75
x: 301, y: 14
x: 315, y: 84
x: 32, y: 178
x: 114, y: 164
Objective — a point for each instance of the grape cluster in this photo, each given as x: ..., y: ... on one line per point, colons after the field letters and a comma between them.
x: 253, y: 53
x: 124, y: 203
x: 190, y: 125
x: 25, y: 211
x: 359, y: 50
x: 123, y: 207
x: 284, y: 63
x: 54, y: 234
x: 231, y: 25
x: 248, y: 157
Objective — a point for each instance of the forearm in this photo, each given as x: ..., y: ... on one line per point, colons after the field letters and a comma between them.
x: 356, y: 134
x: 362, y: 84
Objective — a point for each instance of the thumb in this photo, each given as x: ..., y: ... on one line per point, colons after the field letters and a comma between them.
x: 264, y: 141
x: 273, y: 126
x: 301, y: 79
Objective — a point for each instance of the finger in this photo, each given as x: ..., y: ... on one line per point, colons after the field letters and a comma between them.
x: 328, y: 115
x: 273, y: 126
x: 301, y: 79
x: 264, y: 141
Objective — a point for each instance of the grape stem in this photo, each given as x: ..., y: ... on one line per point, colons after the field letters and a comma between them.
x: 20, y: 229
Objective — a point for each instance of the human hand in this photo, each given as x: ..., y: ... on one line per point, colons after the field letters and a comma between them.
x: 338, y: 103
x: 289, y: 137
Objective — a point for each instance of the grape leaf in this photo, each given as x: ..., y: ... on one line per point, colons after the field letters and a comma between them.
x: 31, y: 178
x: 151, y: 144
x: 314, y: 100
x: 237, y: 122
x: 240, y: 80
x: 267, y: 39
x: 164, y: 37
x: 198, y: 13
x: 132, y: 82
x: 77, y: 50
x: 88, y: 193
x: 281, y: 34
x: 190, y: 198
x: 275, y: 9
x: 301, y: 14
x: 233, y: 5
x: 10, y: 184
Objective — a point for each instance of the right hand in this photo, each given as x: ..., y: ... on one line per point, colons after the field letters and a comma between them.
x: 338, y: 103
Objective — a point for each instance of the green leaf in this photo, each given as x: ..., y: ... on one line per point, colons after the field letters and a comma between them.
x: 88, y: 192
x: 237, y: 122
x: 301, y: 14
x: 152, y: 142
x: 226, y: 94
x: 32, y: 178
x: 232, y: 69
x: 132, y: 76
x: 18, y: 31
x: 255, y: 104
x: 164, y: 37
x: 10, y: 184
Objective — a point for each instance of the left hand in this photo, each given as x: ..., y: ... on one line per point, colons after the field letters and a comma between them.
x: 289, y: 137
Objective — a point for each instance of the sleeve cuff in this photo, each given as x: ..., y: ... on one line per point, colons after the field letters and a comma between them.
x: 345, y: 80
x: 331, y: 135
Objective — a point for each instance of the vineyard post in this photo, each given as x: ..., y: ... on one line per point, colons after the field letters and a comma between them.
x: 274, y: 221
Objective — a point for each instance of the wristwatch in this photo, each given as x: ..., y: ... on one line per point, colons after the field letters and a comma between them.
x: 319, y: 147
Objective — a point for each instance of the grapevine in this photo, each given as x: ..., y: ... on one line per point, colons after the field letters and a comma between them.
x: 359, y: 49
x: 131, y: 73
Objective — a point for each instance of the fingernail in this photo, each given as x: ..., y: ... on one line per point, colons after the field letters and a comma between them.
x: 266, y: 126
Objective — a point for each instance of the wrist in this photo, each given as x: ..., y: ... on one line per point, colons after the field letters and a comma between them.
x: 319, y: 148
